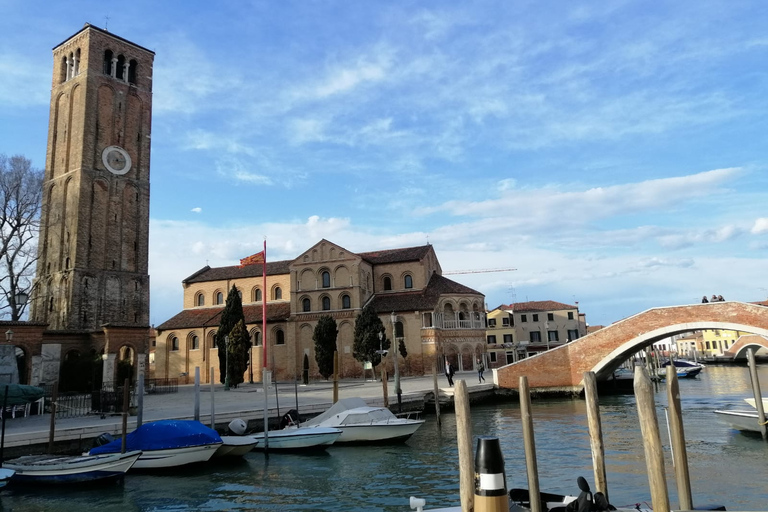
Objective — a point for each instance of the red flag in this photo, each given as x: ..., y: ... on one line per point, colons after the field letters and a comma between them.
x: 253, y: 259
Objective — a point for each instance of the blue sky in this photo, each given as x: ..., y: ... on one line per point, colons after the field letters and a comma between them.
x: 614, y: 153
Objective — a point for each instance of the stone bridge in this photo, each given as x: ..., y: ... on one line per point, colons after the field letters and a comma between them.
x: 562, y: 369
x: 739, y: 349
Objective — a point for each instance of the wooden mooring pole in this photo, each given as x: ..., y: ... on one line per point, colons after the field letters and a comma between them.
x: 677, y: 440
x: 649, y: 427
x: 437, y: 392
x: 530, y: 446
x: 464, y: 441
x: 126, y: 405
x: 197, y: 393
x: 756, y: 391
x: 595, y: 432
x: 213, y: 413
x: 54, y: 398
x: 335, y: 376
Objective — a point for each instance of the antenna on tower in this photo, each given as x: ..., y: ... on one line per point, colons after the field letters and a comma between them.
x: 512, y: 295
x: 106, y: 23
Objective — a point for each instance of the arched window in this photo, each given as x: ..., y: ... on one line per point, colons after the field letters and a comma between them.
x: 200, y: 300
x: 306, y: 305
x: 174, y: 343
x: 256, y: 295
x: 326, y: 279
x: 387, y: 283
x: 195, y: 342
x: 120, y: 66
x: 278, y: 293
x: 279, y: 337
x: 108, y: 62
x: 346, y: 303
x: 408, y: 281
x: 326, y: 303
x: 219, y: 298
x: 132, y: 71
x: 256, y: 337
x: 399, y: 332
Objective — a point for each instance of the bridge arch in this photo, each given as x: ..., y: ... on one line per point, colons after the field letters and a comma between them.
x: 562, y: 368
x: 739, y: 349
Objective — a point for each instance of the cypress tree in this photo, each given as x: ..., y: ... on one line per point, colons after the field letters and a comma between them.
x: 230, y: 317
x: 368, y: 325
x: 325, y: 344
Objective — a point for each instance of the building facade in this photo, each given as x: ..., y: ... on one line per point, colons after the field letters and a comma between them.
x: 516, y: 331
x: 436, y: 318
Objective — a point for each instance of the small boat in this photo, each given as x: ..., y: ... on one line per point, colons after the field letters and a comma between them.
x: 685, y: 369
x: 741, y: 420
x: 362, y: 424
x: 167, y: 443
x: 298, y: 439
x: 68, y: 469
x: 5, y: 476
x: 235, y: 446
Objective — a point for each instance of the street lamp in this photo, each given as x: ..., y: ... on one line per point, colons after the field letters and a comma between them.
x: 20, y: 299
x: 9, y: 336
x: 395, y: 350
x: 381, y: 353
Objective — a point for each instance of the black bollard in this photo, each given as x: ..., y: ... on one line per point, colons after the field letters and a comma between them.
x: 490, y: 481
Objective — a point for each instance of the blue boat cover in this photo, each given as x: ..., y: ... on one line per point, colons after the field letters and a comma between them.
x: 162, y: 435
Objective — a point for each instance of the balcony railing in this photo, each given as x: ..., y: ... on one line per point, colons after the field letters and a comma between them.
x: 442, y: 321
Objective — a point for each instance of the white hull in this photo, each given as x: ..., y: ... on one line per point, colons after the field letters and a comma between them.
x: 396, y: 430
x: 298, y: 438
x: 235, y: 446
x: 172, y: 457
x: 5, y: 476
x: 69, y: 469
x: 741, y: 420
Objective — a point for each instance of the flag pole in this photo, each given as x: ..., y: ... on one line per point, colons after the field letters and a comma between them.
x: 265, y: 376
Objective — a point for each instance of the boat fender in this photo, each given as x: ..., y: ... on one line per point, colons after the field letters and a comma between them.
x: 237, y: 426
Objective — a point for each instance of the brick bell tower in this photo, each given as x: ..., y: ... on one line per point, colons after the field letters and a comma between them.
x: 94, y: 235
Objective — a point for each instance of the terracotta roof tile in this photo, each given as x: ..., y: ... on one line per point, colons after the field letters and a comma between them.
x: 426, y: 299
x: 537, y: 305
x: 396, y: 255
x: 207, y: 273
x: 210, y: 317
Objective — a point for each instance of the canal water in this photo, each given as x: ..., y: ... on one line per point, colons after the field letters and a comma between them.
x: 726, y: 467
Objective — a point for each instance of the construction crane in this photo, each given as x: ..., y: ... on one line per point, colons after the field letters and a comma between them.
x: 478, y: 271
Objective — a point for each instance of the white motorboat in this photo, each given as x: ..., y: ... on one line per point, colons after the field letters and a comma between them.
x: 299, y: 439
x: 741, y: 420
x: 58, y: 469
x: 362, y: 424
x: 168, y: 443
x: 235, y: 446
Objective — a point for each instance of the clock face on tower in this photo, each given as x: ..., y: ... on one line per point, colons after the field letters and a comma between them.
x: 116, y: 160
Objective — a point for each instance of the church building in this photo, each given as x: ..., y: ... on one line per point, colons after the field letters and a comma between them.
x: 437, y: 318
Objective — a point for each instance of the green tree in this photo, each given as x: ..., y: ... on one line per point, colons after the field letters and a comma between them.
x: 230, y: 317
x: 325, y: 344
x: 239, y: 345
x: 368, y: 325
x: 401, y: 348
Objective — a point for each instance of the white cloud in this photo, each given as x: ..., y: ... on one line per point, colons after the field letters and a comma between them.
x: 196, y: 209
x: 761, y: 226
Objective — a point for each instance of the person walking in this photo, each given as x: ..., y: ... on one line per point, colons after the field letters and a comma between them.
x: 449, y: 372
x: 480, y: 370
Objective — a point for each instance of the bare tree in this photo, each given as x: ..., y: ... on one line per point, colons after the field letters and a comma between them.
x: 21, y: 194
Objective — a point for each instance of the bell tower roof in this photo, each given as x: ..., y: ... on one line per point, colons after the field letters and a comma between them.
x: 88, y: 26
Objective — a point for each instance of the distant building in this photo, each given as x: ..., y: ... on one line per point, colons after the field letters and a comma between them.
x: 516, y: 331
x: 437, y: 318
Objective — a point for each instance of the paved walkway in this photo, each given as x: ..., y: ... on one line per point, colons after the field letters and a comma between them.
x: 246, y: 402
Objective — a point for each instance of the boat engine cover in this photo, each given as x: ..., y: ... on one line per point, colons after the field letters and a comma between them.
x: 237, y: 426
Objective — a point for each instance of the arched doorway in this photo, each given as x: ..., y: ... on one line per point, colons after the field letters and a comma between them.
x: 125, y: 358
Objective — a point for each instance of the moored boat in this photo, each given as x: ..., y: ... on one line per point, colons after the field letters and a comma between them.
x: 235, y: 446
x: 298, y: 439
x: 746, y: 421
x: 362, y: 424
x: 5, y: 476
x: 167, y: 443
x: 58, y: 469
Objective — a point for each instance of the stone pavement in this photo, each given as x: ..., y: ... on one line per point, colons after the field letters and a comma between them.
x: 246, y: 402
